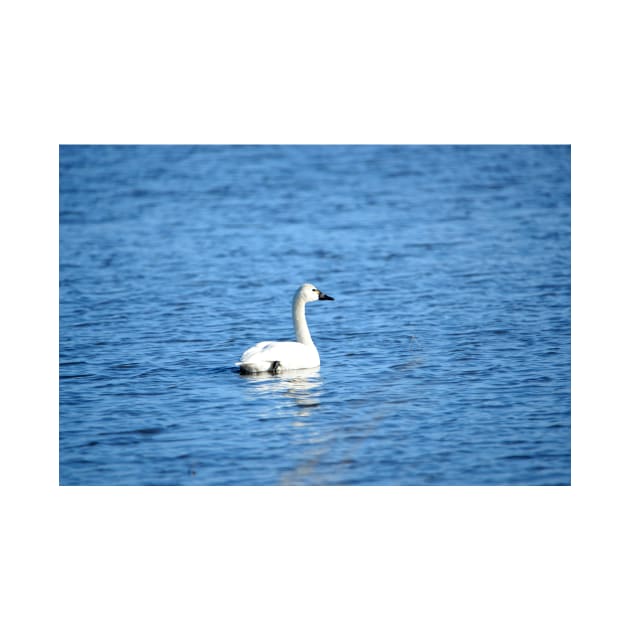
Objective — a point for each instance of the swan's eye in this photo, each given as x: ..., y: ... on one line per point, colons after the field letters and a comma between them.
x: 314, y: 289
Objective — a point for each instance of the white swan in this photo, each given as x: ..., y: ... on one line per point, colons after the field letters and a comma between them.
x: 281, y: 356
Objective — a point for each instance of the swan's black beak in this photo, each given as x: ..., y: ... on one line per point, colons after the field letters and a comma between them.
x: 323, y: 296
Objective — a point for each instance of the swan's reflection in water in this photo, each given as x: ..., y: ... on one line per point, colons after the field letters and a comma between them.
x: 299, y: 392
x: 300, y: 387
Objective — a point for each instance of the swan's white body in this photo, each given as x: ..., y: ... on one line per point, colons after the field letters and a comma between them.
x: 282, y: 356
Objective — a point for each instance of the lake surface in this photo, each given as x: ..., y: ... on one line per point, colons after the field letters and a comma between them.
x: 445, y: 357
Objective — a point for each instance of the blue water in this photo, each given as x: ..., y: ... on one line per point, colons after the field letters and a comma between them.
x: 445, y: 355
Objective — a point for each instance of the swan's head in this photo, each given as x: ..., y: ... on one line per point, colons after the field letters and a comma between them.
x: 310, y: 293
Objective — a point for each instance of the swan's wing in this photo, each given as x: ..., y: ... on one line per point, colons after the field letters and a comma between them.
x: 258, y: 351
x: 271, y: 355
x: 270, y: 351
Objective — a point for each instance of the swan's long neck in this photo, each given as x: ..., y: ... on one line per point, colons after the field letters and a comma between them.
x: 299, y: 321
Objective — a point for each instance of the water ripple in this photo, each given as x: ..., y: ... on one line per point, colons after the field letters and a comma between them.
x: 445, y: 357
